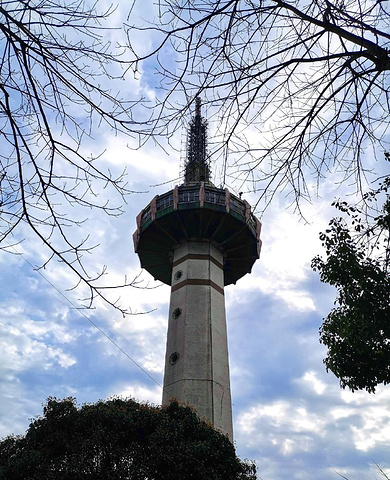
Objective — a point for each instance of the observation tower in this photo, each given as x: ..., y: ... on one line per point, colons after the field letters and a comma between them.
x: 197, y: 238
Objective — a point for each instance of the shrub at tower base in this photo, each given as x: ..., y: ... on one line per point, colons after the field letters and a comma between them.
x: 120, y: 439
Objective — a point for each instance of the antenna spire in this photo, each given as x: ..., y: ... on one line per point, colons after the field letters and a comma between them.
x: 197, y: 167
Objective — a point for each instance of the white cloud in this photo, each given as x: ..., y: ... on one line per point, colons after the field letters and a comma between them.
x: 284, y: 426
x: 160, y: 166
x: 374, y: 431
x: 139, y: 393
x: 20, y: 352
x: 313, y: 381
x: 288, y: 248
x: 374, y: 411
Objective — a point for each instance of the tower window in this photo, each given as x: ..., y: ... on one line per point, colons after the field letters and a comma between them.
x: 174, y: 358
x: 178, y: 275
x: 164, y: 201
x: 215, y: 196
x: 176, y: 313
x: 189, y: 195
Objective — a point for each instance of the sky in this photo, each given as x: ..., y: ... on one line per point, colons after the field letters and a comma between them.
x: 289, y: 414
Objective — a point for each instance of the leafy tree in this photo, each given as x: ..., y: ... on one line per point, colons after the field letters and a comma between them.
x: 120, y: 439
x: 310, y: 79
x: 56, y: 63
x: 357, y: 331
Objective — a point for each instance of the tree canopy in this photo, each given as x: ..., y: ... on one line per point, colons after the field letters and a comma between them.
x: 293, y: 89
x: 123, y: 440
x: 357, y: 331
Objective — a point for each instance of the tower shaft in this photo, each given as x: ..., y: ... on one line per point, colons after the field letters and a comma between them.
x: 196, y: 365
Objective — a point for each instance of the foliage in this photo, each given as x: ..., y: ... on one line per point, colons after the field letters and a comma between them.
x: 56, y: 62
x: 292, y: 88
x: 120, y: 439
x: 357, y: 331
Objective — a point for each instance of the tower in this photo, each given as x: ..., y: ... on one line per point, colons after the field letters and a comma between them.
x: 198, y: 238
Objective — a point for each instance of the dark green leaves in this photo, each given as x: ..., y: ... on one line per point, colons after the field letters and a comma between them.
x: 357, y: 330
x: 120, y: 440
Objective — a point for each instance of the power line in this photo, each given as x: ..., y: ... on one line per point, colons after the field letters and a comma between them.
x: 85, y: 316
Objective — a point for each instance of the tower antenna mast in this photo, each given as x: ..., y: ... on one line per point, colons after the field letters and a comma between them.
x: 197, y: 167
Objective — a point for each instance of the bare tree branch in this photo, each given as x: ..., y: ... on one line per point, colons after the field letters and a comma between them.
x: 55, y: 67
x: 295, y: 90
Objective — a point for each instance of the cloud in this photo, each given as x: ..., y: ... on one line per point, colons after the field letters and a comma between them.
x: 314, y: 382
x: 26, y: 343
x: 139, y: 393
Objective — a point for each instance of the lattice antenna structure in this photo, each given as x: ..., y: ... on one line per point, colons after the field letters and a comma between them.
x: 183, y: 153
x: 197, y: 168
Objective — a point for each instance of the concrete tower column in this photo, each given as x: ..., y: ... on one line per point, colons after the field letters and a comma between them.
x: 196, y: 364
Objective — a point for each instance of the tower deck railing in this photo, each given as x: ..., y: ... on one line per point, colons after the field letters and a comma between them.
x: 195, y: 196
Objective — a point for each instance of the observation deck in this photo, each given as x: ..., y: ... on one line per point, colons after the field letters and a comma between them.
x: 197, y: 212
